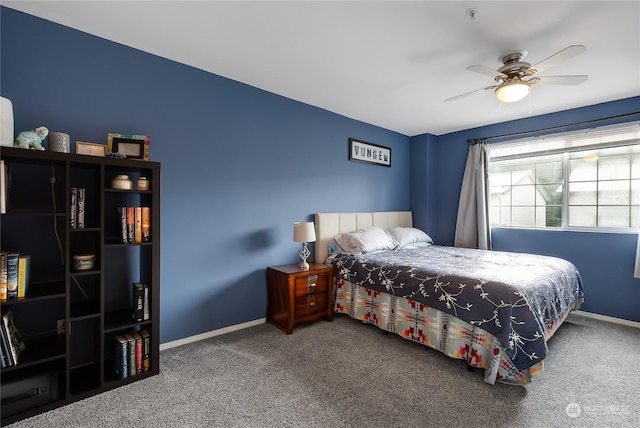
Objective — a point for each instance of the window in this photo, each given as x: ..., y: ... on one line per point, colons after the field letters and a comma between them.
x: 575, y: 180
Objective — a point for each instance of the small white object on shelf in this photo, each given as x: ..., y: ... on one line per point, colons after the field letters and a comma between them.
x: 6, y: 122
x: 122, y: 182
x: 84, y: 261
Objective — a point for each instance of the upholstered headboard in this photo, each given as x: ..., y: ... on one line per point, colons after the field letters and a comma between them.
x: 330, y: 225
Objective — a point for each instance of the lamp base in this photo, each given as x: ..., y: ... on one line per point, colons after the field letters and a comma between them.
x: 304, y: 254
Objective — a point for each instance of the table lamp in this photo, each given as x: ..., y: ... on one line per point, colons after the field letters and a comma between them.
x: 304, y: 232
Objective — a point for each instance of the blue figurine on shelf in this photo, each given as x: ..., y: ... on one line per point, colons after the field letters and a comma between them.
x: 31, y: 139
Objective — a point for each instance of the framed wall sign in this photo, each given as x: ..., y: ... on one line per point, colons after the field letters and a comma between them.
x: 130, y: 145
x: 361, y: 151
x: 91, y: 149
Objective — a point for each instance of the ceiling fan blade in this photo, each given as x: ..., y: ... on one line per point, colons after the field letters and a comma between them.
x: 560, y: 80
x: 556, y: 58
x: 487, y: 71
x: 469, y: 93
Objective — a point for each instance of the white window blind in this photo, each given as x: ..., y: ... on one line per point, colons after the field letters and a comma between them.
x: 604, y: 136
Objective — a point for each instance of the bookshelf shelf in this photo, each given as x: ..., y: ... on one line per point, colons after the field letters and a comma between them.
x: 42, y: 291
x: 118, y: 320
x: 85, y: 310
x: 23, y: 213
x: 69, y: 318
x: 39, y: 351
x: 85, y: 273
x: 113, y: 242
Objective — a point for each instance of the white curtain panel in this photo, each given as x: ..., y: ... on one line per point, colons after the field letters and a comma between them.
x: 473, y: 226
x: 636, y: 272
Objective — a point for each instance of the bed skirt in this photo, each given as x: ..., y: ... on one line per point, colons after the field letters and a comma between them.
x: 438, y: 330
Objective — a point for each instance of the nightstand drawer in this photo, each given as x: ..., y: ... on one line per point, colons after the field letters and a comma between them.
x: 311, y: 284
x: 311, y: 304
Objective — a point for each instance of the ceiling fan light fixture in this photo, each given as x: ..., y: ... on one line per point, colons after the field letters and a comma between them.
x: 512, y: 91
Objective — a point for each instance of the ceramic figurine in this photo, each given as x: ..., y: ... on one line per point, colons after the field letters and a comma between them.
x: 32, y: 139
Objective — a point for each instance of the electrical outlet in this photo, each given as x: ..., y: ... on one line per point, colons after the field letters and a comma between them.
x: 60, y: 326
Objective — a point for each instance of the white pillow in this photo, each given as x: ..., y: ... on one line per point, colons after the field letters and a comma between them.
x: 409, y: 235
x: 366, y: 240
x: 334, y: 248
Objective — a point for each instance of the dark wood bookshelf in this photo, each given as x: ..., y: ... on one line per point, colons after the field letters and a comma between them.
x: 68, y: 318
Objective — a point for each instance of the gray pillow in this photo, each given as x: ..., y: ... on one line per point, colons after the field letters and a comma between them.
x: 409, y: 235
x: 366, y: 240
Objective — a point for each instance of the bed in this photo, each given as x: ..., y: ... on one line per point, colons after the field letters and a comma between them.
x: 495, y: 310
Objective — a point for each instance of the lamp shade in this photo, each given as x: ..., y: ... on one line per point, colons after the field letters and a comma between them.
x: 512, y: 91
x: 304, y: 232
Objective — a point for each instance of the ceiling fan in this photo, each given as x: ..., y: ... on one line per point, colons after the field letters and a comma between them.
x: 515, y: 78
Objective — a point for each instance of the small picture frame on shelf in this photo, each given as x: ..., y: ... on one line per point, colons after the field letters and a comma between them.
x: 131, y: 145
x: 91, y: 149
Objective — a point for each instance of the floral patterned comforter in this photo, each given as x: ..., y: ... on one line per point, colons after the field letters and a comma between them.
x: 513, y: 296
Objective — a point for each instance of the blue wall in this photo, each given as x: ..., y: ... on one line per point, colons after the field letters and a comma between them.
x: 605, y: 260
x: 239, y: 165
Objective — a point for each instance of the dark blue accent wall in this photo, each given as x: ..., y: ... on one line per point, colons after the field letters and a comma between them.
x: 239, y: 165
x: 605, y: 260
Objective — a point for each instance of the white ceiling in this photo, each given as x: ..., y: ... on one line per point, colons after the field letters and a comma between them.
x: 388, y: 63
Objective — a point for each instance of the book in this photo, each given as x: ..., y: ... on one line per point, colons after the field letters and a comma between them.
x: 4, y: 343
x: 137, y: 235
x: 24, y: 269
x: 73, y: 207
x: 131, y: 347
x: 80, y: 215
x: 3, y: 275
x: 16, y: 344
x: 146, y: 350
x: 12, y: 275
x: 121, y: 356
x: 3, y: 362
x: 137, y: 304
x: 146, y: 224
x: 145, y: 303
x: 130, y: 224
x: 138, y: 339
x: 122, y: 224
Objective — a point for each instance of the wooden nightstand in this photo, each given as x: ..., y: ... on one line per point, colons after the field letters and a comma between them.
x: 296, y: 295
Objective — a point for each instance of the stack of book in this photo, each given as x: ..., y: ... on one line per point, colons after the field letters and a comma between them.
x: 14, y: 275
x: 132, y: 353
x: 11, y: 343
x: 134, y: 224
x: 76, y: 209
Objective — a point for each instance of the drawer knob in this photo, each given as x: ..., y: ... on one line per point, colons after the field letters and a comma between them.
x: 312, y: 285
x: 312, y: 304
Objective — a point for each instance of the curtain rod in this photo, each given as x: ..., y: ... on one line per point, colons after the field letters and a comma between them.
x: 473, y: 141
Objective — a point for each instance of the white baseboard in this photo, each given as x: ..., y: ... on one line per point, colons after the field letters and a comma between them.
x: 607, y: 319
x: 211, y: 333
